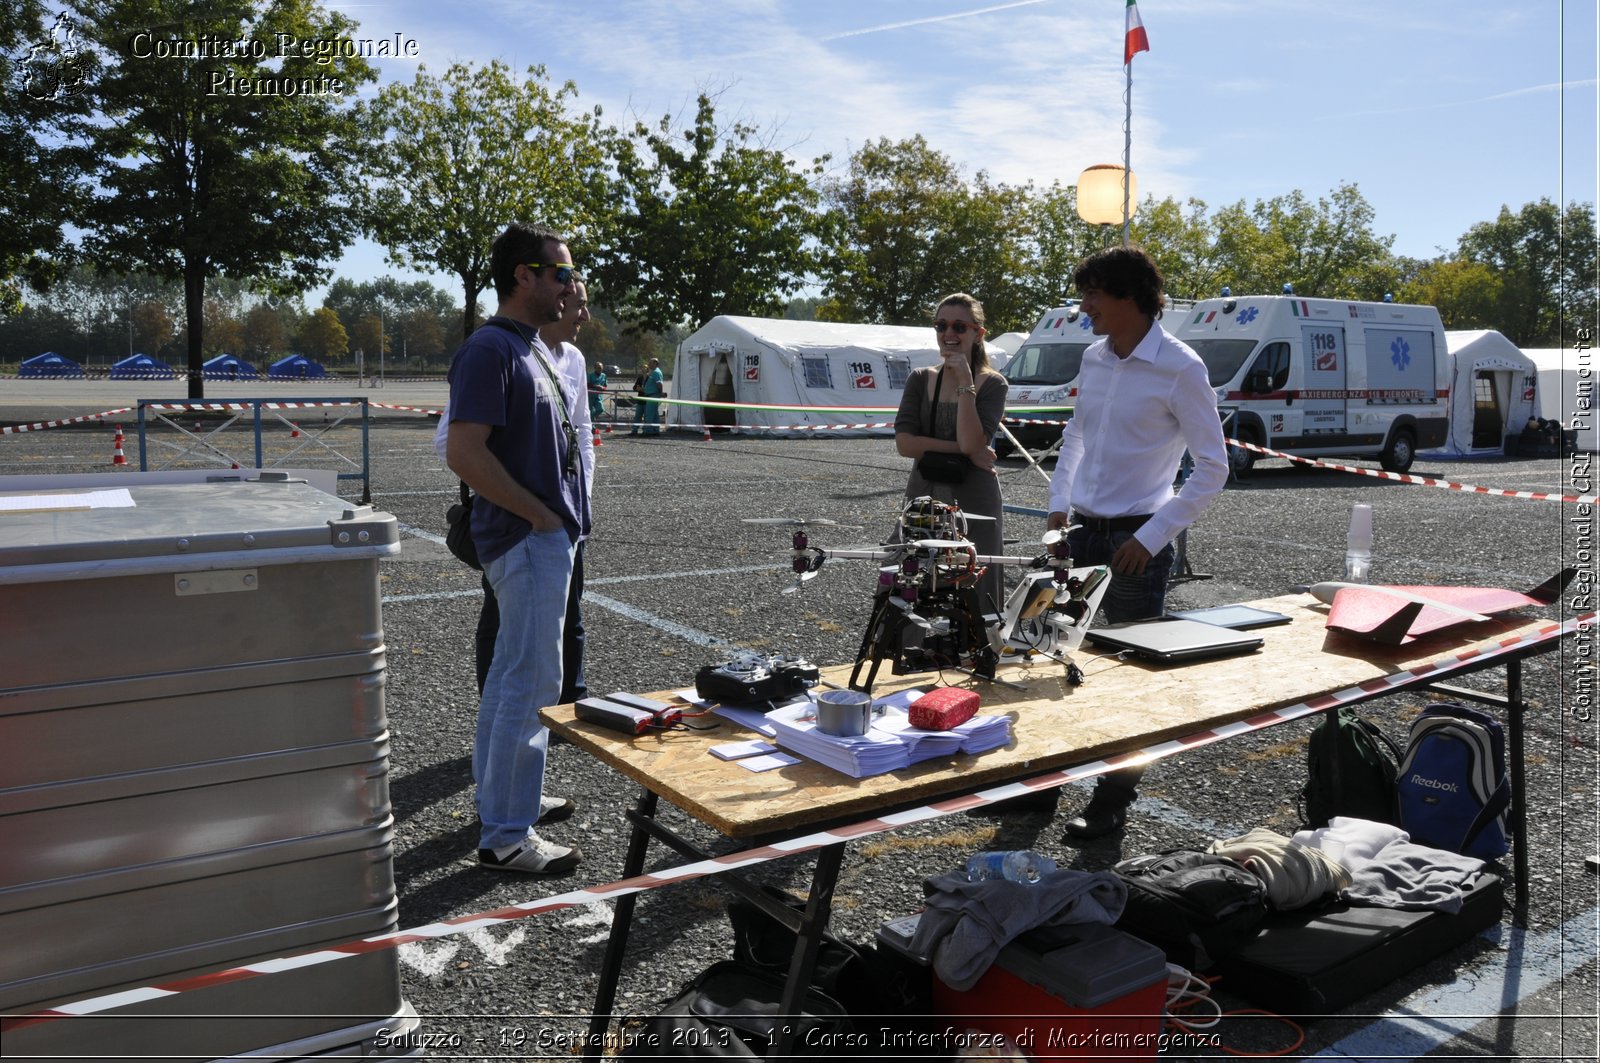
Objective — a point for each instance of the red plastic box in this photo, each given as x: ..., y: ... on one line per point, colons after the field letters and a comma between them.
x: 1068, y: 992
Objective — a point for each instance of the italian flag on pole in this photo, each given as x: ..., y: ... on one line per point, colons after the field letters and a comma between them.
x: 1136, y: 40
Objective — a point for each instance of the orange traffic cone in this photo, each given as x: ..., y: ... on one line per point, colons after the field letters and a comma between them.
x: 705, y: 433
x: 117, y: 457
x: 294, y: 430
x: 597, y: 438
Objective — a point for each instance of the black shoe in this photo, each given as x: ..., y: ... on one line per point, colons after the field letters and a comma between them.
x: 1095, y: 821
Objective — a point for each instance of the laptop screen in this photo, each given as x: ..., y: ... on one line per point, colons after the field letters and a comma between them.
x: 1173, y: 639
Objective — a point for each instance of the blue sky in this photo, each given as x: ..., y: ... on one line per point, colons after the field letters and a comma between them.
x: 1439, y: 110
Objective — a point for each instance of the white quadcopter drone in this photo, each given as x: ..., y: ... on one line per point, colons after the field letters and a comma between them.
x: 926, y: 611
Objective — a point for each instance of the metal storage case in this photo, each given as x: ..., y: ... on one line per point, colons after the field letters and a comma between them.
x: 194, y: 770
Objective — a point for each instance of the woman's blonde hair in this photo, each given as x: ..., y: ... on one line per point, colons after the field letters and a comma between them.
x: 980, y: 356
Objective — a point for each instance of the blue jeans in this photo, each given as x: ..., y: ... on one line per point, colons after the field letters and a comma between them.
x: 1141, y: 597
x: 530, y: 584
x: 573, y: 685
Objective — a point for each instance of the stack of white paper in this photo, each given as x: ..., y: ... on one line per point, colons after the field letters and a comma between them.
x: 924, y: 745
x: 983, y: 733
x: 870, y: 754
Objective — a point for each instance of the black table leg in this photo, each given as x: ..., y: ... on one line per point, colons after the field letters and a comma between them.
x: 1519, y: 792
x: 617, y: 943
x: 824, y: 878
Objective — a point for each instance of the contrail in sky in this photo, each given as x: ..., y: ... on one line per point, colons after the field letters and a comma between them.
x: 935, y: 18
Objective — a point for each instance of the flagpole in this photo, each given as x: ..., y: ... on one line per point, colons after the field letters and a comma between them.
x: 1127, y: 152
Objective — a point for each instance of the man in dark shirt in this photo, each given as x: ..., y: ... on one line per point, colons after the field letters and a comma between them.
x: 512, y: 441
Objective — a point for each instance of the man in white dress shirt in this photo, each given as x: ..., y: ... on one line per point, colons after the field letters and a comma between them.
x: 1143, y: 399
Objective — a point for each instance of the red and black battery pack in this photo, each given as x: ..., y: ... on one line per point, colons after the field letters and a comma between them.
x: 604, y: 712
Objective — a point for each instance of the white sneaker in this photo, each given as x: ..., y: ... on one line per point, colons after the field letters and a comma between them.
x: 535, y: 855
x: 555, y: 809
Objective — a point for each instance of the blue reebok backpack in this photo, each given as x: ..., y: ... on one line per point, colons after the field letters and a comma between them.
x: 1453, y: 788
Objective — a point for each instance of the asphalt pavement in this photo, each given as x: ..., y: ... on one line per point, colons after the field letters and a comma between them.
x: 676, y: 579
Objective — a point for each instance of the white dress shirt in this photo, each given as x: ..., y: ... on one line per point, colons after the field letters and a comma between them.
x: 1133, y: 420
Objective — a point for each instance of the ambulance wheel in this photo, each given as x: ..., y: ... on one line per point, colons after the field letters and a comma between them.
x: 1400, y: 453
x: 1240, y: 460
x: 1004, y: 448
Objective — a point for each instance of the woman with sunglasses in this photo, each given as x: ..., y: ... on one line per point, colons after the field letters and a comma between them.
x: 951, y: 411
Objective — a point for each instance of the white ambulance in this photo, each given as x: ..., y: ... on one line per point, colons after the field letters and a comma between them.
x: 1043, y: 374
x: 1324, y: 377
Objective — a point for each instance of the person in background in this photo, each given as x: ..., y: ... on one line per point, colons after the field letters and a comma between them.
x: 597, y: 394
x: 510, y: 439
x: 1143, y: 399
x: 652, y: 385
x: 955, y: 408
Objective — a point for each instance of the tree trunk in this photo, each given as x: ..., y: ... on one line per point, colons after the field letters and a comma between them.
x: 194, y: 312
x: 469, y: 309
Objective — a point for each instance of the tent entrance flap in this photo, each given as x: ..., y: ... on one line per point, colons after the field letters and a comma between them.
x: 1489, y: 390
x: 716, y: 371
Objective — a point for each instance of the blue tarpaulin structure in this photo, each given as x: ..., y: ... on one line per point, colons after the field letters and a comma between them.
x: 228, y: 367
x: 49, y: 364
x: 297, y: 366
x: 142, y: 367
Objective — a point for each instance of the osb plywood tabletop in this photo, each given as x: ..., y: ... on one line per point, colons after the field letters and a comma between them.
x: 1122, y: 706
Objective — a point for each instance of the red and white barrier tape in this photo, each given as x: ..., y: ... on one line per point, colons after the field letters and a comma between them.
x: 225, y: 406
x: 763, y: 854
x: 1426, y: 481
x: 18, y: 429
x: 408, y: 409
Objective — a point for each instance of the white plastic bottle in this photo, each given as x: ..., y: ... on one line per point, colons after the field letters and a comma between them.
x: 1358, y: 546
x: 1014, y: 865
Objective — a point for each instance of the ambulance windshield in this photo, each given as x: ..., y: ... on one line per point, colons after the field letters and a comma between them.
x: 1045, y: 363
x: 1222, y: 357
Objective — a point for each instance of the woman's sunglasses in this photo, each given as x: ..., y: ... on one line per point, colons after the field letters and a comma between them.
x: 960, y: 327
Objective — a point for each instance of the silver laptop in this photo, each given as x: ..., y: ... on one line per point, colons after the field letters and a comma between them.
x: 1174, y: 639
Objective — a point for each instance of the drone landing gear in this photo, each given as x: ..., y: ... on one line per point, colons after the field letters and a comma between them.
x: 912, y: 643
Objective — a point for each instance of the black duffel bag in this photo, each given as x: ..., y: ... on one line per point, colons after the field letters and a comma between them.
x: 458, y: 530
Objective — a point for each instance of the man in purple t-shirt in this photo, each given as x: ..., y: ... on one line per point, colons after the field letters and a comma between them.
x: 512, y: 441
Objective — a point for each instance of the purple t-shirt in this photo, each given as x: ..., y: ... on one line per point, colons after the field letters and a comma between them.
x: 496, y: 380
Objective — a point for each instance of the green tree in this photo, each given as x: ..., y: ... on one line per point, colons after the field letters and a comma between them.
x: 416, y: 315
x: 886, y: 233
x: 1060, y: 240
x: 263, y: 336
x: 1544, y: 259
x: 210, y: 166
x: 1466, y: 294
x: 42, y: 67
x: 322, y: 338
x: 152, y: 326
x: 1325, y: 249
x: 1182, y: 240
x: 453, y: 158
x: 714, y: 222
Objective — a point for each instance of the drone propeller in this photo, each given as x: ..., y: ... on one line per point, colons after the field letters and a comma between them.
x: 1056, y: 535
x: 942, y: 544
x: 975, y: 516
x: 798, y: 521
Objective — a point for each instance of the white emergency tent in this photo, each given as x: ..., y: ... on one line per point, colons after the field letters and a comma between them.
x: 827, y: 371
x: 1003, y: 347
x: 1567, y: 390
x: 1493, y: 391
